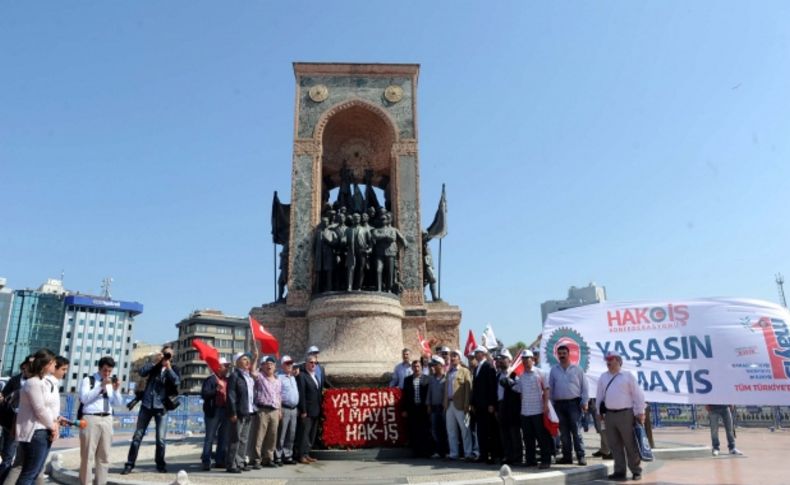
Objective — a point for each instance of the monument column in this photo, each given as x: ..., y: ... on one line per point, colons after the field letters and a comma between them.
x: 404, y: 153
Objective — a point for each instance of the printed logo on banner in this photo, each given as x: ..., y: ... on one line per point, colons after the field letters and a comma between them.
x: 648, y: 318
x: 777, y: 343
x: 578, y: 350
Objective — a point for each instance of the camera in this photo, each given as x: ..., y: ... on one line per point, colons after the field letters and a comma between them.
x: 167, y: 356
x: 114, y: 379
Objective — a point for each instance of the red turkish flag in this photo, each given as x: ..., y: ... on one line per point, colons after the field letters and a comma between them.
x: 426, y: 346
x: 208, y: 354
x: 471, y: 345
x: 517, y: 365
x: 268, y: 344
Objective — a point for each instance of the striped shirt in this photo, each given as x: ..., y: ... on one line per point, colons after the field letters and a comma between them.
x: 529, y: 386
x: 268, y: 392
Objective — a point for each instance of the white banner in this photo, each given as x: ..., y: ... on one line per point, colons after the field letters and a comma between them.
x: 705, y: 351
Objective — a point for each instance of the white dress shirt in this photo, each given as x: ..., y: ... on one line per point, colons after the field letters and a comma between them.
x: 624, y: 392
x: 93, y: 399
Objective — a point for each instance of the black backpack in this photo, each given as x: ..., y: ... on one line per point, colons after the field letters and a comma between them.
x: 79, y: 409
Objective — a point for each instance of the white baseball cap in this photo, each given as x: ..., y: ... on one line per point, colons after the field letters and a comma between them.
x: 313, y: 350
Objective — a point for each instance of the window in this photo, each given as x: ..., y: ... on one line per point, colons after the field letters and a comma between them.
x: 100, y: 337
x: 68, y: 334
x: 92, y: 323
x: 118, y: 338
x: 86, y: 363
x: 66, y: 348
x: 90, y: 336
x: 101, y: 323
x: 79, y: 335
x: 125, y: 365
x: 74, y: 375
x: 130, y: 327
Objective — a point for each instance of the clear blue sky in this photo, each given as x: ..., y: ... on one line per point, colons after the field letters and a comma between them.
x: 642, y: 145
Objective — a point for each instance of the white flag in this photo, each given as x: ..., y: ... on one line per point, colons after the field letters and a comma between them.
x: 489, y: 339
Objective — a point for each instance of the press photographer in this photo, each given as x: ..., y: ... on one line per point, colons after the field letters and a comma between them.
x: 159, y: 397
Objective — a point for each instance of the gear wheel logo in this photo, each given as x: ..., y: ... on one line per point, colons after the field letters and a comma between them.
x: 579, y: 350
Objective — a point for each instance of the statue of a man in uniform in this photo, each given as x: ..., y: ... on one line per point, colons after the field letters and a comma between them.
x: 386, y: 239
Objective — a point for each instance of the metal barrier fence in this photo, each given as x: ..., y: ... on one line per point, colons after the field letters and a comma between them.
x: 189, y: 416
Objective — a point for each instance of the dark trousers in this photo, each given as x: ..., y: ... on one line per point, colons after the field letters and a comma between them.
x: 306, y: 431
x: 216, y: 428
x: 533, y: 430
x: 510, y: 435
x: 36, y: 452
x: 238, y: 438
x: 570, y: 412
x: 143, y: 419
x: 439, y: 430
x: 419, y: 431
x: 487, y: 431
x: 7, y: 453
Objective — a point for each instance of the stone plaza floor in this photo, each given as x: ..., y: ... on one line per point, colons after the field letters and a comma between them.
x: 684, y: 458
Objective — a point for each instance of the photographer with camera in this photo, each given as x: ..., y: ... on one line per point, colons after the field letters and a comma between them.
x: 159, y: 397
x: 98, y: 394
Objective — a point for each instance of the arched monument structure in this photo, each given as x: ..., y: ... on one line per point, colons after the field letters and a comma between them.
x: 355, y: 125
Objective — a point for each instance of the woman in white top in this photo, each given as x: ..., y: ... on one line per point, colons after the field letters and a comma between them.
x: 37, y: 422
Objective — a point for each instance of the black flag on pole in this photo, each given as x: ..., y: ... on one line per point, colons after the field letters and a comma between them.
x: 281, y: 221
x: 438, y: 228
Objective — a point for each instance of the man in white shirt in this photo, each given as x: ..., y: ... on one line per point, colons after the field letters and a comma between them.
x: 621, y: 402
x: 98, y: 394
x: 402, y: 370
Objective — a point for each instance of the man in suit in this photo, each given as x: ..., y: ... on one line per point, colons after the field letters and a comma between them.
x: 239, y: 410
x: 484, y: 402
x: 309, y: 411
x: 416, y: 411
x: 508, y: 415
x: 456, y: 403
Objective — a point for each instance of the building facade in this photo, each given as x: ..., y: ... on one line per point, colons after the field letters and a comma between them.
x: 82, y: 328
x: 94, y: 327
x: 35, y: 322
x: 228, y: 334
x: 587, y: 295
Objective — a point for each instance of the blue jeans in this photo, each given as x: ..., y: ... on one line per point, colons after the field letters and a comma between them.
x: 724, y: 413
x: 569, y: 411
x: 36, y: 452
x: 216, y: 427
x: 142, y: 424
x: 439, y: 430
x: 7, y: 453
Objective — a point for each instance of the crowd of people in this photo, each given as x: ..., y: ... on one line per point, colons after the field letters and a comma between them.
x: 257, y: 415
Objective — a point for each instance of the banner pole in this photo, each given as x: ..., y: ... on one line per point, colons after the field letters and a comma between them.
x: 274, y: 268
x: 440, y: 268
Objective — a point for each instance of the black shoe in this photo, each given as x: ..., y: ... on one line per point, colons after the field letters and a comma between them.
x: 565, y: 461
x: 289, y: 462
x: 233, y: 470
x: 597, y: 454
x: 530, y: 464
x: 256, y: 467
x: 637, y: 476
x: 206, y: 467
x: 126, y: 470
x: 245, y: 468
x: 582, y: 462
x: 219, y: 465
x: 271, y: 464
x: 544, y: 466
x: 607, y: 457
x: 161, y: 469
x: 616, y: 476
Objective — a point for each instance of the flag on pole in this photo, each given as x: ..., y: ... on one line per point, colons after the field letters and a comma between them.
x: 281, y: 220
x: 424, y: 343
x: 471, y: 344
x: 489, y: 339
x: 517, y: 365
x: 267, y: 343
x: 208, y: 354
x: 438, y: 228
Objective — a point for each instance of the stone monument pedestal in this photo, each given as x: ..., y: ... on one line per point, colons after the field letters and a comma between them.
x: 359, y: 335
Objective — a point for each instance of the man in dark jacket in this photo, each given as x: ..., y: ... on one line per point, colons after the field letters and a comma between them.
x: 161, y: 386
x: 415, y: 409
x: 239, y: 410
x: 309, y: 411
x: 484, y: 402
x: 508, y: 415
x: 215, y: 395
x: 10, y: 400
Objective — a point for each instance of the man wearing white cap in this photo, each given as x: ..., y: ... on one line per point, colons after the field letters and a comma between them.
x: 290, y: 401
x: 241, y: 389
x: 457, y: 397
x: 621, y: 402
x: 484, y: 401
x: 215, y: 398
x: 435, y: 400
x: 508, y: 414
x: 319, y: 372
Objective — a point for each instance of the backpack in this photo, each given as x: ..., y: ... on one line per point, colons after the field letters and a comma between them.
x: 79, y: 409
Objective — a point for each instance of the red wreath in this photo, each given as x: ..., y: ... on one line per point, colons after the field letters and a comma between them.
x: 363, y: 417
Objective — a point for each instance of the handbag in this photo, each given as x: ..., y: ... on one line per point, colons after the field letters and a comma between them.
x: 642, y: 443
x: 171, y: 402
